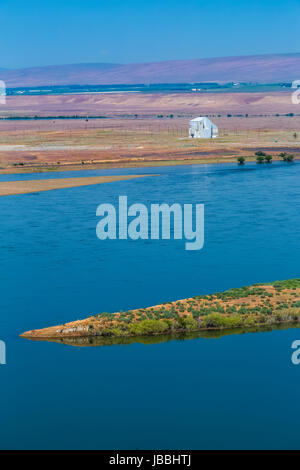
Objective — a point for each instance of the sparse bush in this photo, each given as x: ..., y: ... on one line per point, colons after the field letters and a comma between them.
x: 287, y: 158
x: 260, y: 153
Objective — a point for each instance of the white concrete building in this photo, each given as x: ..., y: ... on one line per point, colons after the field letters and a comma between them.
x: 202, y: 128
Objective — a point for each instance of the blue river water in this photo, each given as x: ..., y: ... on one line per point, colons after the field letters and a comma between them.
x: 239, y: 391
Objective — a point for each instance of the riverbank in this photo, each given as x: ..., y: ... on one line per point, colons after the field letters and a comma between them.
x: 10, y: 188
x: 45, y: 168
x: 48, y: 168
x: 261, y: 305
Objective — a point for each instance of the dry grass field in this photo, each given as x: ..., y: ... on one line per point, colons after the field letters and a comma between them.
x: 141, y: 129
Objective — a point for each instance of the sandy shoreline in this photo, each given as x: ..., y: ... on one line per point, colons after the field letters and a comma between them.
x: 112, y: 165
x: 115, y: 165
x: 9, y: 188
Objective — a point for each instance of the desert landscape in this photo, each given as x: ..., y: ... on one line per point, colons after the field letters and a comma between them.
x: 149, y: 192
x: 106, y: 130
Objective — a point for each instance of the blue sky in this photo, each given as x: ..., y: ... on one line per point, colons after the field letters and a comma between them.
x: 43, y: 32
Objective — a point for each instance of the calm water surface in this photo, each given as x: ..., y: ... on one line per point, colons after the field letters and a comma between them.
x: 238, y: 391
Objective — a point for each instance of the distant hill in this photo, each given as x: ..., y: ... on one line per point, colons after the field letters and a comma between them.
x: 260, y: 68
x: 57, y: 75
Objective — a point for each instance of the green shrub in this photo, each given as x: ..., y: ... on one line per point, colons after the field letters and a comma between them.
x: 146, y: 327
x: 288, y: 284
x: 287, y: 158
x: 249, y: 321
x: 188, y: 323
x: 260, y: 154
x: 215, y: 320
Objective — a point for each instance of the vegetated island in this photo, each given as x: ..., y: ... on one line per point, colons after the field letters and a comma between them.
x: 260, y: 305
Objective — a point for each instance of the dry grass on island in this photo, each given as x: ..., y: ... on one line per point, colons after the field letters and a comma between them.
x: 259, y: 305
x: 9, y: 188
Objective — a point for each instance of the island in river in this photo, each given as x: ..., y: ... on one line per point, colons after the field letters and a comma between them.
x: 260, y: 305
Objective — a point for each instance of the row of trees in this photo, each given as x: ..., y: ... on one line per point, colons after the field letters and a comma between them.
x: 262, y: 157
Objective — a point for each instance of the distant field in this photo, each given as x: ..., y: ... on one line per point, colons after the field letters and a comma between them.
x: 206, y: 87
x: 143, y: 129
x: 155, y: 104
